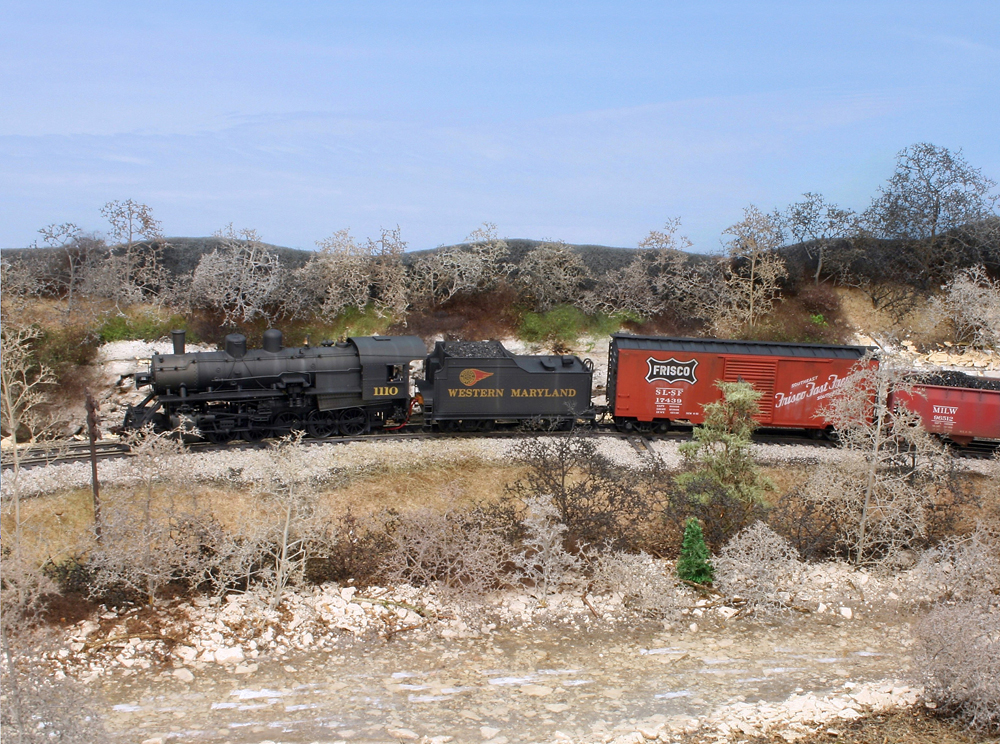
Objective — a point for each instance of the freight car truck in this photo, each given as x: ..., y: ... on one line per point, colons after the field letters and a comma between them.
x: 472, y: 386
x: 655, y: 382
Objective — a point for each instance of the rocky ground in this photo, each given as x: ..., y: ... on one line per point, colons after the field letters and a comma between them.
x: 336, y: 664
x: 333, y: 664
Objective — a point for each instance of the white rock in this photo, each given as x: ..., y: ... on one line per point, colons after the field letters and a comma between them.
x: 846, y: 613
x: 488, y: 732
x: 229, y: 655
x: 187, y: 653
x: 184, y: 675
x: 402, y: 733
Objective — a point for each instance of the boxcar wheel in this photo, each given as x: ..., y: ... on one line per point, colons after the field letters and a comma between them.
x: 321, y: 424
x: 353, y: 422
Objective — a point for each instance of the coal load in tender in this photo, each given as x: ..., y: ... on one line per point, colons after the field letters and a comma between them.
x: 476, y: 349
x: 958, y: 380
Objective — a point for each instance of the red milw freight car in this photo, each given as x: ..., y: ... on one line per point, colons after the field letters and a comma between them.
x: 956, y: 406
x: 655, y: 381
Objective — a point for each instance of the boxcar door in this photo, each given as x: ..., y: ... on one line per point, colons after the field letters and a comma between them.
x: 760, y: 372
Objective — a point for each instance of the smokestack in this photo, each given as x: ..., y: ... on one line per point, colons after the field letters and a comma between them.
x: 178, y: 337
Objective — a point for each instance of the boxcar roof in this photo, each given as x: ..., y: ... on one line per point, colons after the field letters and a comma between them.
x: 733, y: 346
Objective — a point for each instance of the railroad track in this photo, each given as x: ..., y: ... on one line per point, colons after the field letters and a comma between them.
x: 76, y: 451
x: 62, y: 452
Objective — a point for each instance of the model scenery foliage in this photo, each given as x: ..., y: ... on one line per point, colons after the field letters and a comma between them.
x: 571, y: 521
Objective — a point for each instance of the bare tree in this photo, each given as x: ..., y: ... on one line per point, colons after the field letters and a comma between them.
x: 289, y: 511
x: 388, y: 272
x: 80, y: 255
x: 477, y: 265
x: 25, y: 278
x: 661, y: 277
x: 958, y: 641
x: 933, y: 191
x: 971, y: 302
x: 147, y: 539
x: 753, y: 277
x: 963, y: 567
x: 239, y: 279
x: 336, y: 279
x: 543, y: 561
x: 958, y: 658
x: 879, y: 492
x: 552, y: 274
x: 631, y: 290
x: 819, y: 225
x: 935, y: 215
x: 134, y: 269
x: 666, y: 239
x: 24, y: 387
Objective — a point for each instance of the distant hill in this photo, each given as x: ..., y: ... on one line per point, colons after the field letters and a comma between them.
x: 181, y: 255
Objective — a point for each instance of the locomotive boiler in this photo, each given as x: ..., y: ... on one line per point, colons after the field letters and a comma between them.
x: 348, y: 387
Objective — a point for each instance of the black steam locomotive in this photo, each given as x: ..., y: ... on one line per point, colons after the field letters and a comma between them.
x: 347, y: 388
x: 356, y: 386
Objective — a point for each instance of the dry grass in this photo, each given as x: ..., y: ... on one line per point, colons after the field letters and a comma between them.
x: 919, y: 325
x: 436, y: 487
x: 915, y: 726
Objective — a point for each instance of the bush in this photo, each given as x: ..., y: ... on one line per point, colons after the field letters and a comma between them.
x: 142, y: 327
x: 358, y: 552
x: 639, y: 579
x: 723, y: 483
x: 564, y: 324
x: 965, y: 567
x: 758, y: 565
x: 959, y: 660
x: 63, y: 350
x: 693, y: 565
x: 448, y: 550
x: 599, y: 502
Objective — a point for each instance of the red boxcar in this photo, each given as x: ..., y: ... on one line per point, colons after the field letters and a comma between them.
x: 961, y: 414
x: 653, y: 381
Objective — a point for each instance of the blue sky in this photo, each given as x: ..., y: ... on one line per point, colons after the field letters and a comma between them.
x: 586, y: 122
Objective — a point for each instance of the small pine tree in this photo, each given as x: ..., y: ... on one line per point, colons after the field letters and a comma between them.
x: 693, y: 563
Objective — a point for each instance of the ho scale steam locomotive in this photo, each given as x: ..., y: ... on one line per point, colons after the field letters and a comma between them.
x: 364, y: 384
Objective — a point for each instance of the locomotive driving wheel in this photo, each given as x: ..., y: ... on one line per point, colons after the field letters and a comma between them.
x: 218, y: 436
x: 253, y: 434
x: 285, y: 423
x: 321, y: 424
x: 353, y: 421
